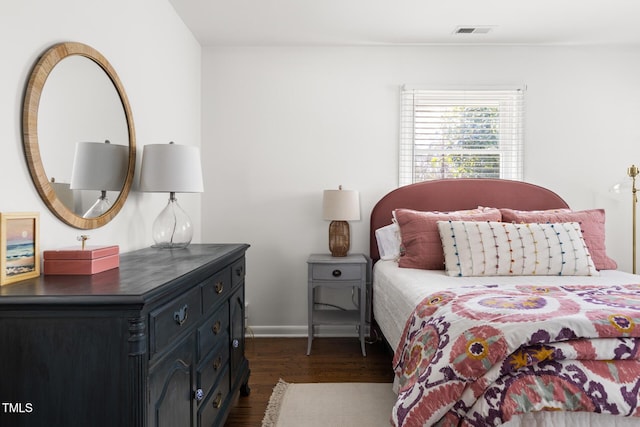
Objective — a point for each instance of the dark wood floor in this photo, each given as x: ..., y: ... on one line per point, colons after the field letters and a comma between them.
x: 331, y: 360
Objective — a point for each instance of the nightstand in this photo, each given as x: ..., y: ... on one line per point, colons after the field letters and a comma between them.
x: 350, y: 271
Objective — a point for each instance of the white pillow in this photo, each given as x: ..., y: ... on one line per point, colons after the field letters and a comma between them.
x: 507, y: 249
x: 388, y: 239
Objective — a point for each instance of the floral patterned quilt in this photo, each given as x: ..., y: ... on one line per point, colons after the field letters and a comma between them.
x: 478, y: 355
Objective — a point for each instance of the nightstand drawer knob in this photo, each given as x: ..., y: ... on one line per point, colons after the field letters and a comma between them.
x: 236, y: 343
x: 198, y: 394
x: 336, y: 273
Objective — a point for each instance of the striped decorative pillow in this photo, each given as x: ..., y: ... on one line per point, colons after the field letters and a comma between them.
x: 507, y: 249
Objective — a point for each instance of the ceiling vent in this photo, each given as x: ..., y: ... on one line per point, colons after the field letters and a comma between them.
x: 473, y: 30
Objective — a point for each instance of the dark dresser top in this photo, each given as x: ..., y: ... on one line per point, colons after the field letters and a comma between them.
x: 142, y: 276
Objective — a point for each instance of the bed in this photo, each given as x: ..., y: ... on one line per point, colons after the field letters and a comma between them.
x: 520, y: 337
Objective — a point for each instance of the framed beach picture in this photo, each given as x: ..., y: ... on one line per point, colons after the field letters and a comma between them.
x: 19, y: 246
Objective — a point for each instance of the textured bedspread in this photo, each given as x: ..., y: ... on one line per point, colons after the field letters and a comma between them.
x: 477, y: 355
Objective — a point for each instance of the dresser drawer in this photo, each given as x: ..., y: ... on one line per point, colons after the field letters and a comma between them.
x: 215, y: 363
x: 336, y: 272
x: 213, y: 330
x: 210, y: 408
x: 237, y: 272
x: 215, y: 289
x: 173, y: 319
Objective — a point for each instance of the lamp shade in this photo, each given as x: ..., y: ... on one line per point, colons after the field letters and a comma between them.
x: 341, y: 205
x: 99, y: 166
x: 171, y: 168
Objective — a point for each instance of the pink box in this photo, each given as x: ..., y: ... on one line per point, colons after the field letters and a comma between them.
x: 91, y: 260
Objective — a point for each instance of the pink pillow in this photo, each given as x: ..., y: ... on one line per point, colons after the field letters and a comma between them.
x: 591, y: 222
x: 421, y: 244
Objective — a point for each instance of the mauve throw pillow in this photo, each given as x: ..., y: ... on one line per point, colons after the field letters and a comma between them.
x: 421, y: 244
x: 591, y: 221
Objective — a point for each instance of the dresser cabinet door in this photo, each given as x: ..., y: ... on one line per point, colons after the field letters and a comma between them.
x: 171, y: 388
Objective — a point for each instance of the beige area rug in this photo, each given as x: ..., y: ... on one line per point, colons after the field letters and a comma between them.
x: 329, y: 404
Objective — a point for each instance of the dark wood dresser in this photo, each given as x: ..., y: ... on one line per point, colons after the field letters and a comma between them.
x: 156, y: 342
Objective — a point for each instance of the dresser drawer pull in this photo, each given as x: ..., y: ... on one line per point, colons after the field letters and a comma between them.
x: 181, y: 315
x: 219, y: 287
x: 239, y: 271
x: 336, y: 273
x: 236, y: 343
x: 217, y: 401
x: 216, y: 327
x: 217, y: 363
x: 198, y: 394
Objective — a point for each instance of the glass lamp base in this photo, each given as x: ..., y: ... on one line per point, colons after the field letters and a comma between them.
x: 101, y: 206
x: 172, y: 228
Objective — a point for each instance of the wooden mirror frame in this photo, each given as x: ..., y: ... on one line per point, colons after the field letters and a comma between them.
x: 38, y: 77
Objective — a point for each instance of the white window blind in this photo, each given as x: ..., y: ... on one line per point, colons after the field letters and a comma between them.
x: 475, y: 133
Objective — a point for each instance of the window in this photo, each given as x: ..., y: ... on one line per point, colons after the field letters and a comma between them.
x: 461, y: 134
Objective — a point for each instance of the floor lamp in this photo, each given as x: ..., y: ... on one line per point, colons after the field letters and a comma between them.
x: 633, y: 171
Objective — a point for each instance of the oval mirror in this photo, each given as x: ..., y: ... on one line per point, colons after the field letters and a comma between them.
x: 78, y: 135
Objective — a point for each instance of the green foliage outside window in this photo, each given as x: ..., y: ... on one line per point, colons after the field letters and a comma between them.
x: 462, y: 128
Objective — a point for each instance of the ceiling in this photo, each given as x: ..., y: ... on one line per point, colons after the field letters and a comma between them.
x: 410, y: 22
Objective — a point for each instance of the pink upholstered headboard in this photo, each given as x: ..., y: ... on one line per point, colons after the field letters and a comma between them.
x: 457, y: 194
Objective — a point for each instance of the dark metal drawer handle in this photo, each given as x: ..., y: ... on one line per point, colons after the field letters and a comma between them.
x: 239, y: 271
x: 181, y: 315
x: 217, y: 401
x: 216, y: 327
x: 219, y: 287
x: 336, y: 273
x: 217, y: 363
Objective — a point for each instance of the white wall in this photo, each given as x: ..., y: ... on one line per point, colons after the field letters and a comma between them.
x: 282, y: 124
x: 159, y: 63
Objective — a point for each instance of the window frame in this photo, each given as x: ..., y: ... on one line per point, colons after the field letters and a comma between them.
x: 510, y: 99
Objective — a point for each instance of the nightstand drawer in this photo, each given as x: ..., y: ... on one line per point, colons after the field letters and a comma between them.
x: 215, y: 289
x: 336, y: 272
x: 213, y: 330
x: 173, y: 319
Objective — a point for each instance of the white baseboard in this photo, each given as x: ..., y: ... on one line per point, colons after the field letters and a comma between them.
x: 297, y: 331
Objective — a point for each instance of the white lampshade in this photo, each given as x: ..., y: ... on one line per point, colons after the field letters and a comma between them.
x: 99, y: 166
x: 171, y: 168
x: 341, y: 205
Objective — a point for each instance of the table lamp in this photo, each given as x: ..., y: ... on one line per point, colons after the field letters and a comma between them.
x: 340, y: 206
x: 99, y: 166
x: 171, y: 168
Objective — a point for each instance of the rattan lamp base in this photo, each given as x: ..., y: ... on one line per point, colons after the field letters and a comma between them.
x: 339, y: 238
